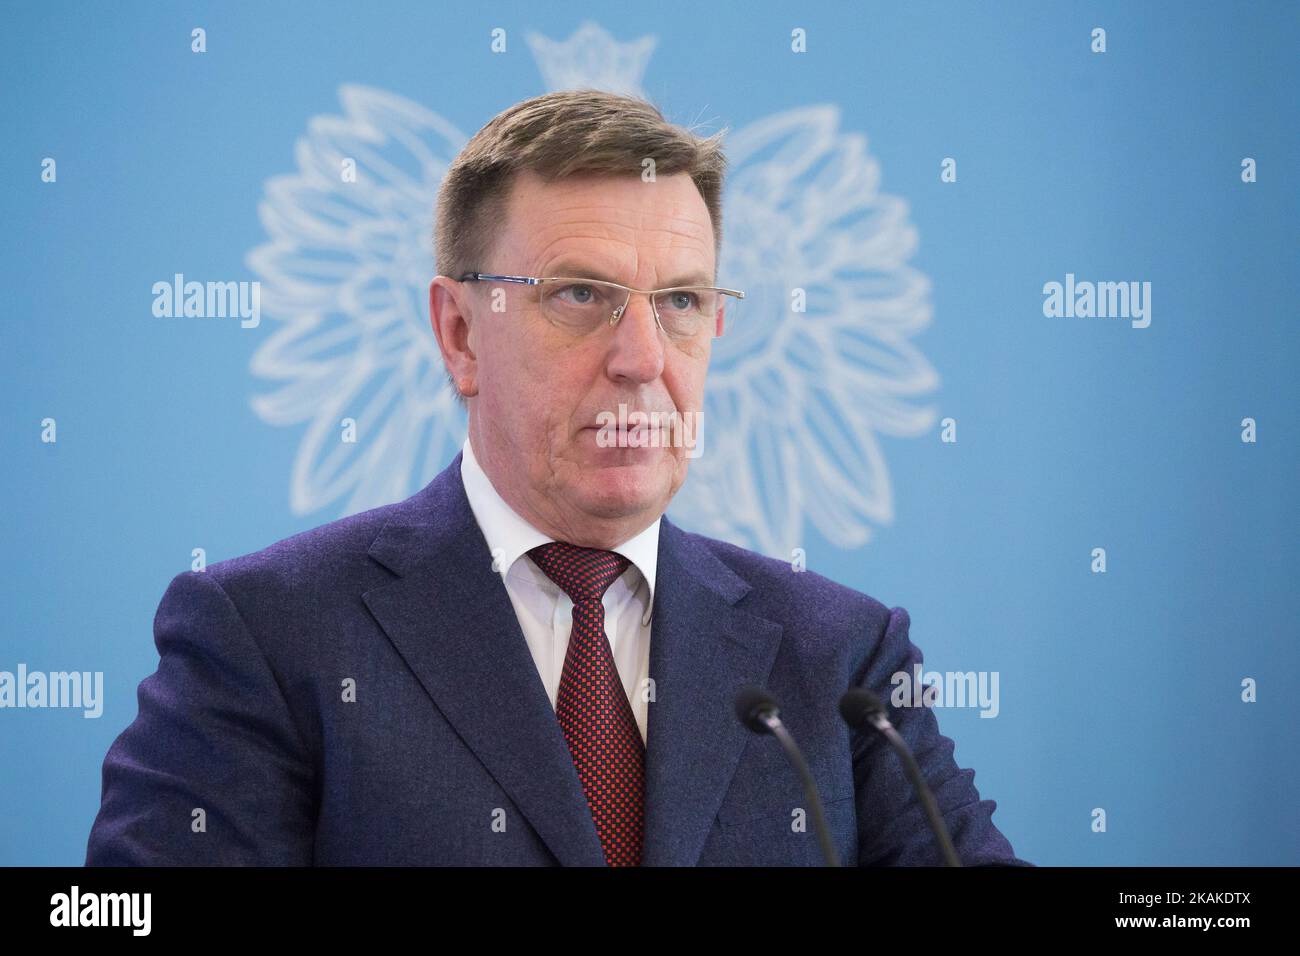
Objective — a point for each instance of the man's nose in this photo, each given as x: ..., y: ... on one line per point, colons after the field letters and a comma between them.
x: 636, y: 349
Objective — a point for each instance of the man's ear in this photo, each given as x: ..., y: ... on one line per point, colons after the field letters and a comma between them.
x: 449, y: 314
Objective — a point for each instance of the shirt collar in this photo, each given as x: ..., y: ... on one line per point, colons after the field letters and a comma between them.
x: 504, y: 529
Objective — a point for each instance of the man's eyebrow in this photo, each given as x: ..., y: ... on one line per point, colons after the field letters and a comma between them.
x: 579, y: 271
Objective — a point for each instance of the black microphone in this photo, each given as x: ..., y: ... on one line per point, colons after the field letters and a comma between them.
x: 758, y: 711
x: 859, y: 708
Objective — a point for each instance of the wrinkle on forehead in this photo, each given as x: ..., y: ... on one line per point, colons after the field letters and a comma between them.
x: 547, y: 221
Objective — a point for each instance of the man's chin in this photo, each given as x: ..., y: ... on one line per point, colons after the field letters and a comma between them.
x: 622, y: 490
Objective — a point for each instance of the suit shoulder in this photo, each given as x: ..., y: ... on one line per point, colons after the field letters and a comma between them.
x: 317, y: 554
x: 777, y: 581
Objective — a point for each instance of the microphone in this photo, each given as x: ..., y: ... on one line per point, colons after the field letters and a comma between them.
x: 758, y: 711
x: 859, y: 707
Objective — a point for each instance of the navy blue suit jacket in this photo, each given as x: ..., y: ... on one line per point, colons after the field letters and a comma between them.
x: 450, y: 752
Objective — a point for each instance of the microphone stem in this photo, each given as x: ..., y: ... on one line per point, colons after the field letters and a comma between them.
x: 778, y: 730
x: 918, y: 784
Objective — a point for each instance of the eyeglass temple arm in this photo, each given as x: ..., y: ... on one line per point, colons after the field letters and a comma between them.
x: 476, y: 276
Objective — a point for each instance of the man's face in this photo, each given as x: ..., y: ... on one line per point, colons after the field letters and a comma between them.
x: 539, y: 391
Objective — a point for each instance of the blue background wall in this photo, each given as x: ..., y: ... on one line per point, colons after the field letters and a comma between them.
x: 1119, y: 690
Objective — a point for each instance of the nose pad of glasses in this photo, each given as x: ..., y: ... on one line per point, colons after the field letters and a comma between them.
x: 618, y: 313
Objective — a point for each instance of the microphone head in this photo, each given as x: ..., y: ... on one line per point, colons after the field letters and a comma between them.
x: 751, y: 704
x: 858, y: 705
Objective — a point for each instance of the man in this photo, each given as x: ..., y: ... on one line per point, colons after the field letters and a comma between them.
x: 526, y: 662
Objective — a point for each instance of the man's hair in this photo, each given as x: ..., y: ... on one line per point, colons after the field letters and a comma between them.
x: 557, y: 135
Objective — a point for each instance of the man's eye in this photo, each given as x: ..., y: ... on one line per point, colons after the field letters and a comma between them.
x: 683, y: 301
x: 578, y: 294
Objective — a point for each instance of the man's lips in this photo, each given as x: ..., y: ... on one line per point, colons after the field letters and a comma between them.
x: 632, y: 427
x: 632, y: 431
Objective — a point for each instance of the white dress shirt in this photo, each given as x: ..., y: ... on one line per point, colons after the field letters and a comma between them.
x: 545, y: 612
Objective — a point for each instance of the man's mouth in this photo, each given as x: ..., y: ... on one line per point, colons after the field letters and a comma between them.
x: 632, y: 435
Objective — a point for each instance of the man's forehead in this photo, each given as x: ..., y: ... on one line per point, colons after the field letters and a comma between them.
x: 617, y: 190
x: 597, y: 227
x: 677, y: 272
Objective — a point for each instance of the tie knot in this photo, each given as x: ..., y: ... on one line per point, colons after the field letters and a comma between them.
x: 584, y: 574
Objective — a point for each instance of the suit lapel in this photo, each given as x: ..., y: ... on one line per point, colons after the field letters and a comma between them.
x: 702, y: 650
x: 449, y: 616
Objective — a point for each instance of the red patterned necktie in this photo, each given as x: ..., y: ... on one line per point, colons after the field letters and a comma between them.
x: 592, y: 707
